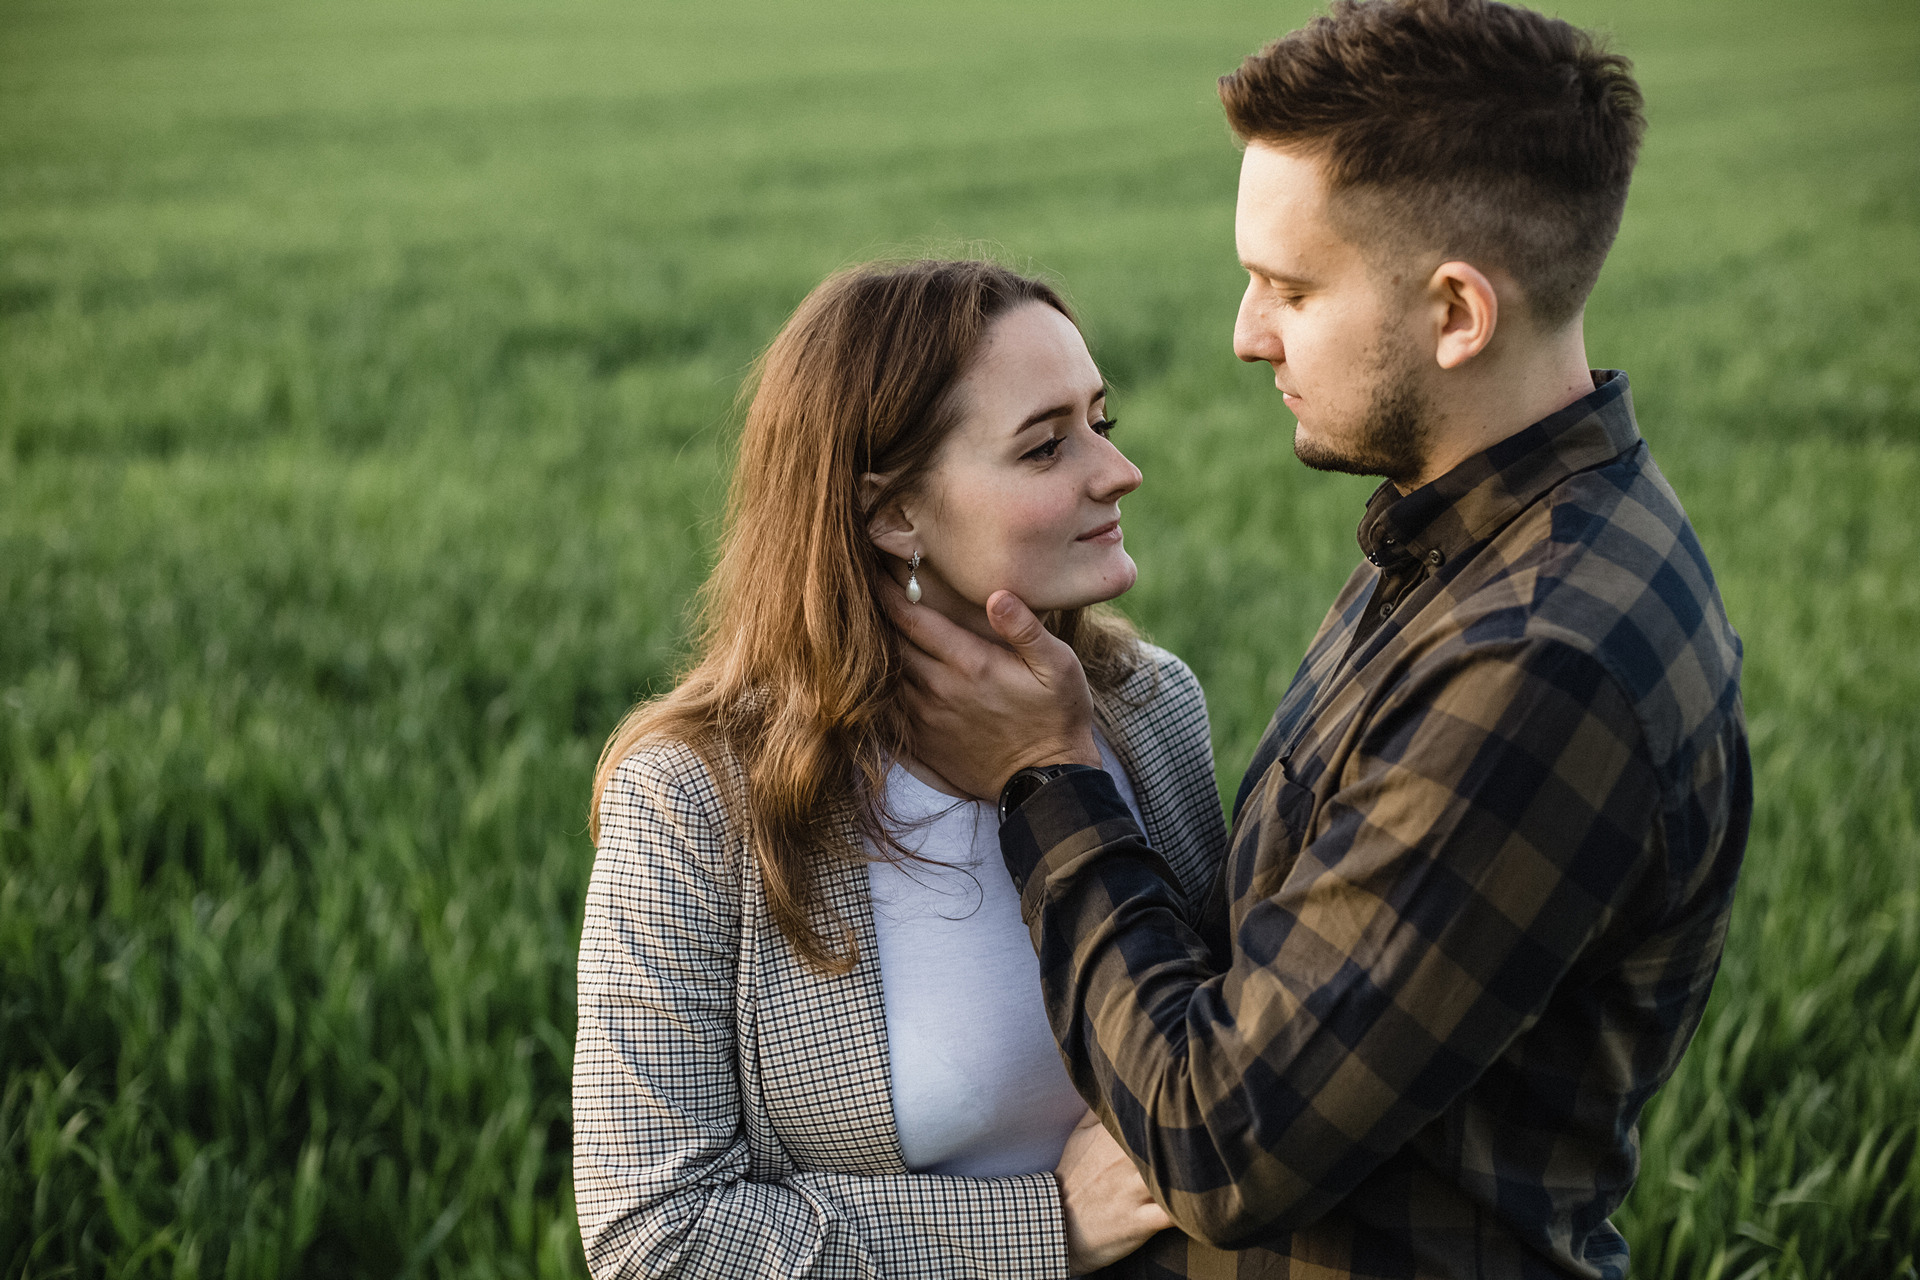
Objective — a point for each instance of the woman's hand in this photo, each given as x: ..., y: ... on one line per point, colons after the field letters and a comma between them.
x: 1108, y: 1211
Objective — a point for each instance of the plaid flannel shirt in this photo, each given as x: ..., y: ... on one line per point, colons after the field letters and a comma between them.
x: 1478, y: 882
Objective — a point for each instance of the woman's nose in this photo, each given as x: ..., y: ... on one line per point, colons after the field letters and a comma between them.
x: 1117, y: 475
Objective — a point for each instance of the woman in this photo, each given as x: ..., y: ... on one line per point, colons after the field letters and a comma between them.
x: 811, y: 1040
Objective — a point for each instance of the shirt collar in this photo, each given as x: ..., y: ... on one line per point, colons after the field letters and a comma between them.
x: 1440, y: 521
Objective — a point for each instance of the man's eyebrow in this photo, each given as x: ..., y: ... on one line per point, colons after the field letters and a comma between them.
x: 1039, y: 416
x: 1278, y: 277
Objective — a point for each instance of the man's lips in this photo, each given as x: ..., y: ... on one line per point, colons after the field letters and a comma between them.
x: 1108, y: 532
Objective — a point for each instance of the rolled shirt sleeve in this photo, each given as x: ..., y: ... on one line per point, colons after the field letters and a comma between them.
x: 1392, y: 931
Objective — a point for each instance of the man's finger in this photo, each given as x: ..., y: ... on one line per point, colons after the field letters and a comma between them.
x: 916, y: 659
x: 914, y: 684
x: 1046, y: 656
x: 1013, y: 621
x: 927, y: 672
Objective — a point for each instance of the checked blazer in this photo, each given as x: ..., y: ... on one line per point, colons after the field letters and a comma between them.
x: 1480, y: 877
x: 732, y: 1108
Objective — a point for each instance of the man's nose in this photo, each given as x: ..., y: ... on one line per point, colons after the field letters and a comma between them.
x: 1254, y: 337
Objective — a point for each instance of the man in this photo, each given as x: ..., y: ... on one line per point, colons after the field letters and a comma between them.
x: 1482, y: 863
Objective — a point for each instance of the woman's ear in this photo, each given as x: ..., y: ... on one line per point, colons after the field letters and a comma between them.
x: 890, y: 526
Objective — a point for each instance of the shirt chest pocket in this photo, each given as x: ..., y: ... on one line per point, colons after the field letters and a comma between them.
x: 1274, y: 826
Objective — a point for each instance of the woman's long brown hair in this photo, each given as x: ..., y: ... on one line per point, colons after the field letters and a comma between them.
x: 796, y: 669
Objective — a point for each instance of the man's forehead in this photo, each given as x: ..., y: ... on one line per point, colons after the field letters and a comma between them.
x: 1271, y: 172
x: 1281, y: 222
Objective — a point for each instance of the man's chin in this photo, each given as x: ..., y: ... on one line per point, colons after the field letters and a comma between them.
x: 1316, y: 454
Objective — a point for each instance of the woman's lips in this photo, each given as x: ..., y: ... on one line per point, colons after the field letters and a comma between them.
x: 1108, y: 532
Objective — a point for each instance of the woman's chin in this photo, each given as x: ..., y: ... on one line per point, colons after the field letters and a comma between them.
x: 1111, y: 585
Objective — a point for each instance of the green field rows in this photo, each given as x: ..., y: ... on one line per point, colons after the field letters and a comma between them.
x: 366, y: 381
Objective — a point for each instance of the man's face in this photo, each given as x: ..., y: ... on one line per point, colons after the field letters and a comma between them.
x: 1341, y: 338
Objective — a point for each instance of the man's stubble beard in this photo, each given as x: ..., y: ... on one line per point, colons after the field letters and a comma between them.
x: 1392, y: 438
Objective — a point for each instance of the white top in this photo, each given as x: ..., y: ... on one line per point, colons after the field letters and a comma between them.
x: 978, y: 1087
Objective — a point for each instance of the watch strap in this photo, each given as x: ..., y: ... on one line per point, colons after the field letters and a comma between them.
x: 1021, y: 786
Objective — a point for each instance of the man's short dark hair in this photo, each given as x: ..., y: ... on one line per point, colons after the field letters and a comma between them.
x: 1487, y: 131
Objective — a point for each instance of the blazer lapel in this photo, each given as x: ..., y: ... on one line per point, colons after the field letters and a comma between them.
x: 826, y: 1077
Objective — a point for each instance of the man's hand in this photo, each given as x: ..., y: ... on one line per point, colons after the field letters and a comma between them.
x: 1109, y: 1212
x: 980, y: 711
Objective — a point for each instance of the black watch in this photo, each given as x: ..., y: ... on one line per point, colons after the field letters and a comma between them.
x: 1021, y: 786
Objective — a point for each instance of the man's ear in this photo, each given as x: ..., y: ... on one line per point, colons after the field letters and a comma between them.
x: 890, y: 526
x: 1466, y: 309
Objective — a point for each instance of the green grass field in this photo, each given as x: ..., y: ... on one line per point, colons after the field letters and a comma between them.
x: 366, y: 375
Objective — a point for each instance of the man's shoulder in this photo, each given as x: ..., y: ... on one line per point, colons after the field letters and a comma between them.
x: 1607, y: 563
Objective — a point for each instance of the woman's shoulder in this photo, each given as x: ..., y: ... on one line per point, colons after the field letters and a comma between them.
x: 666, y: 897
x: 668, y: 793
x: 1163, y: 739
x: 1159, y: 681
x: 1158, y: 708
x: 671, y: 768
x: 1168, y: 663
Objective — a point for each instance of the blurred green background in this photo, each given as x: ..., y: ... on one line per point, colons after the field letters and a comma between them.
x: 366, y: 377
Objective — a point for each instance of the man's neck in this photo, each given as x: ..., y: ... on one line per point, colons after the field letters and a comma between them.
x: 1482, y: 407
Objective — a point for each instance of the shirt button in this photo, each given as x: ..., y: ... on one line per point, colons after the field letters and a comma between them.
x: 1386, y: 609
x: 1436, y: 557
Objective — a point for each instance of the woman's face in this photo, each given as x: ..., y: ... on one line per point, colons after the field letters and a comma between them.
x: 1024, y: 493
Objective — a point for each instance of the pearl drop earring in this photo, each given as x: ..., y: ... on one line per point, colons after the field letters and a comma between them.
x: 913, y: 581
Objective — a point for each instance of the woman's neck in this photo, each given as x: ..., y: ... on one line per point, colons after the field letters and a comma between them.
x: 936, y: 595
x: 931, y: 778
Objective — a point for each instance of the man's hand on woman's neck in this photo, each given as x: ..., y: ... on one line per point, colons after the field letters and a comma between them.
x: 983, y: 710
x: 941, y: 599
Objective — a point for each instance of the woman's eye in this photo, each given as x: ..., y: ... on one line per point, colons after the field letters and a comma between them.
x: 1048, y: 448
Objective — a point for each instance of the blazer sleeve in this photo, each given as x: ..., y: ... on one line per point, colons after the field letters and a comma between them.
x: 663, y: 1178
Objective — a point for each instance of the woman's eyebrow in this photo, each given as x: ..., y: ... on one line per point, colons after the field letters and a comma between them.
x: 1039, y: 416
